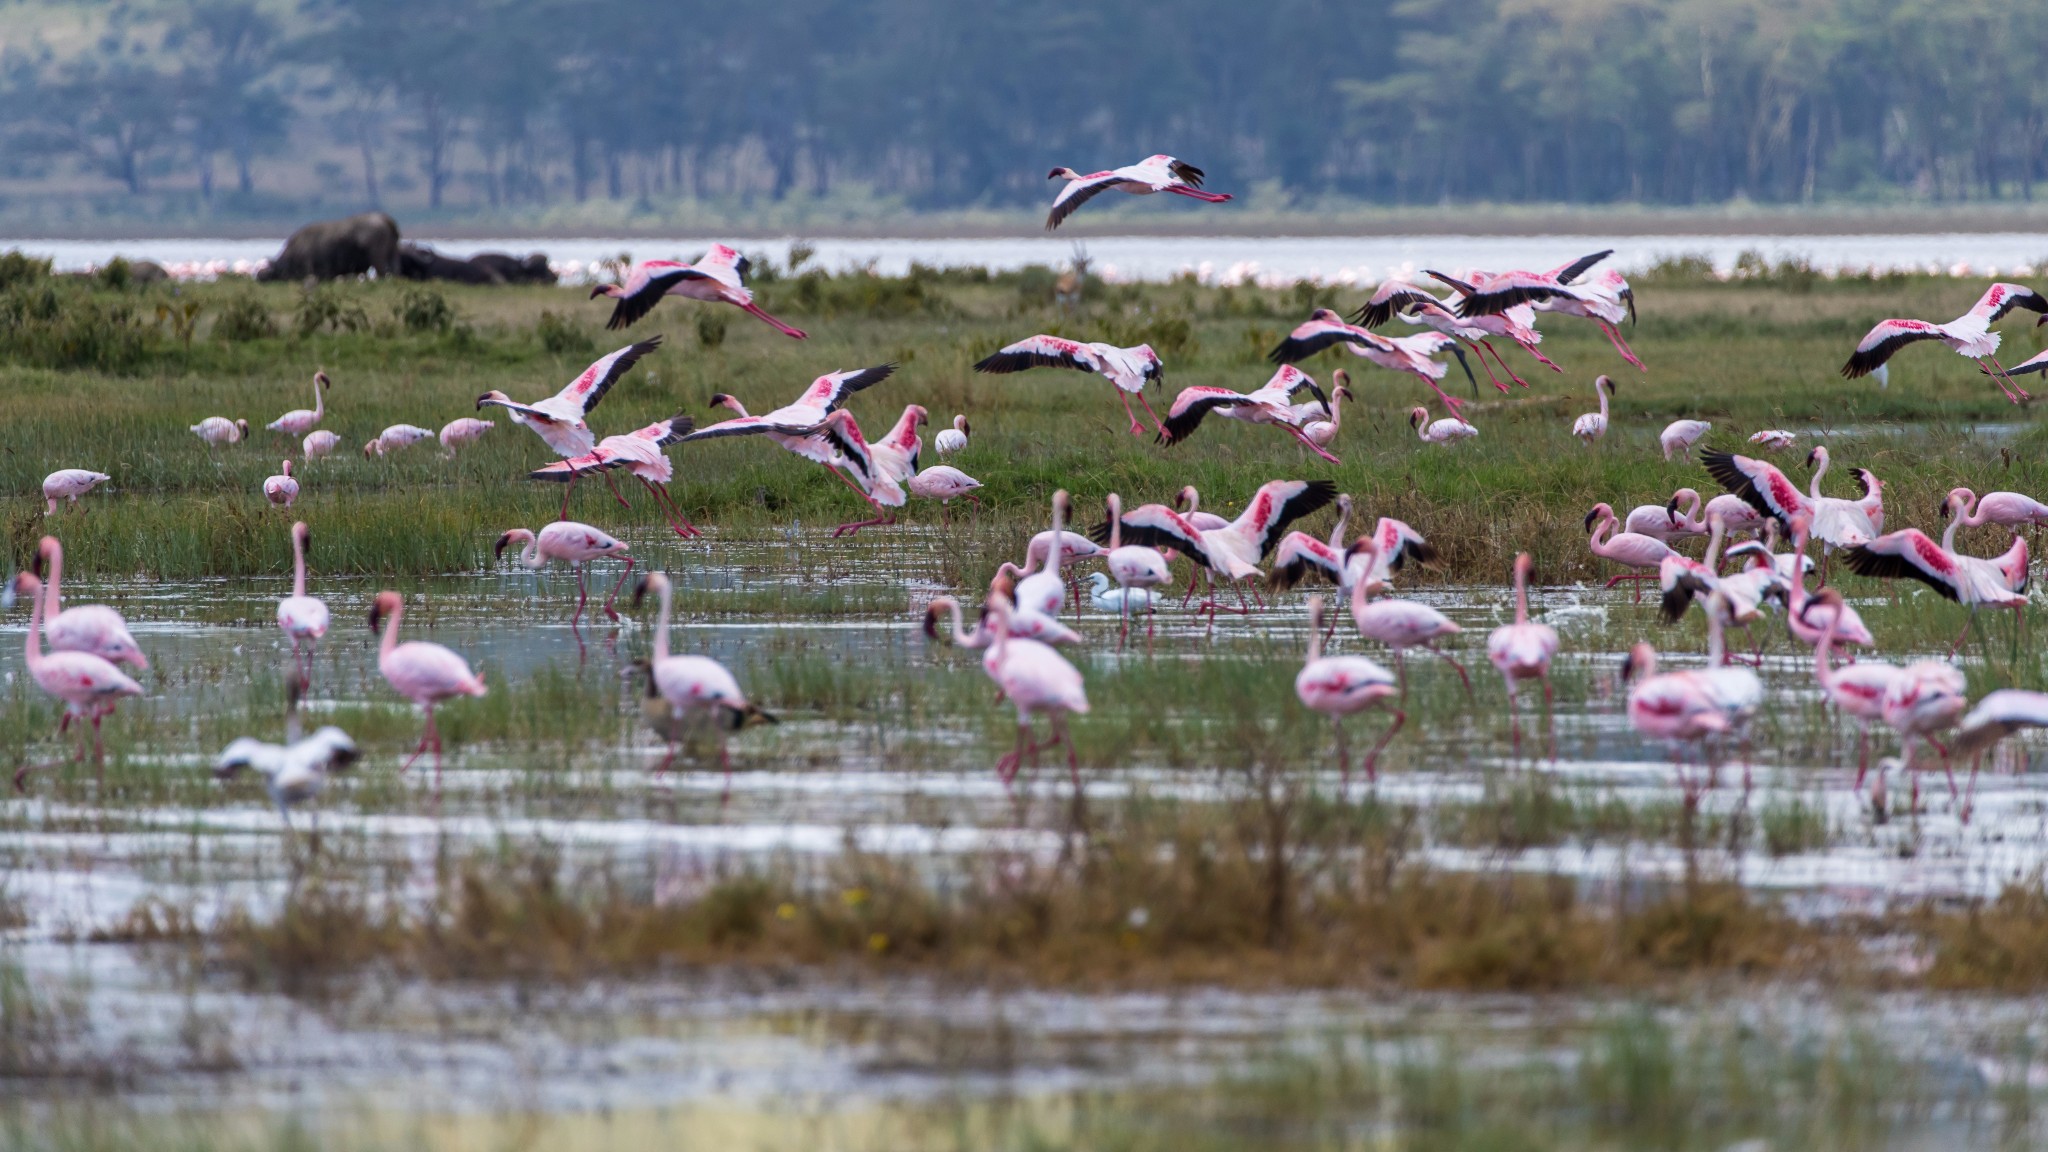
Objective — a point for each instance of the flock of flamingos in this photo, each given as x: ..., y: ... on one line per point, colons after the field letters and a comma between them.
x: 1701, y: 713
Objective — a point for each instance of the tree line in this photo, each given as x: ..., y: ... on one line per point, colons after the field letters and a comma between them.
x: 506, y: 104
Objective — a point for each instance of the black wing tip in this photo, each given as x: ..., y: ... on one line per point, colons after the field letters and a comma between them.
x: 1100, y: 533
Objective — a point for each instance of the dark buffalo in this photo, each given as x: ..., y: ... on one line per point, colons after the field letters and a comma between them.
x: 332, y: 249
x: 512, y: 270
x: 420, y: 262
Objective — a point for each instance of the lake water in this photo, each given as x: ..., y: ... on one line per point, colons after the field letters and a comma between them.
x: 1270, y: 260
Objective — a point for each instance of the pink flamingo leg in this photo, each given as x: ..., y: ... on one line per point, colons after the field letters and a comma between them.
x: 1137, y: 429
x: 614, y: 489
x: 566, y: 491
x: 1372, y: 758
x: 666, y: 760
x: 754, y: 310
x: 1198, y: 194
x: 1540, y: 358
x: 610, y: 611
x: 1453, y: 403
x: 1621, y: 346
x: 2009, y: 392
x: 1488, y: 346
x: 1446, y: 658
x: 1483, y: 364
x: 1310, y: 444
x: 663, y: 501
x: 1147, y: 404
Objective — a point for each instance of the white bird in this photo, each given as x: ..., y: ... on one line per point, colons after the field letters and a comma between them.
x: 217, y: 430
x: 1103, y: 597
x: 1845, y: 522
x: 281, y: 489
x: 319, y: 442
x: 1159, y: 173
x: 300, y: 421
x: 69, y: 484
x: 1679, y: 436
x: 304, y: 618
x: 559, y: 419
x: 396, y: 437
x: 951, y: 440
x: 1446, y: 431
x: 692, y: 690
x: 1130, y: 369
x: 1593, y: 425
x: 292, y: 773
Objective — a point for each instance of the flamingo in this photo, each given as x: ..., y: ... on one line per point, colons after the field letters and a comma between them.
x: 1417, y: 306
x: 1039, y: 588
x: 1677, y: 708
x: 68, y: 484
x: 1133, y: 567
x: 281, y: 490
x: 1299, y: 553
x: 1967, y: 335
x: 951, y: 440
x: 1844, y: 522
x: 1739, y: 596
x: 1680, y: 435
x: 1968, y: 580
x: 88, y: 686
x: 1024, y: 622
x: 1629, y: 549
x: 1809, y: 622
x: 1035, y: 679
x: 394, y: 438
x: 1926, y: 697
x: 463, y: 430
x: 559, y: 420
x: 1320, y: 431
x: 981, y: 638
x: 1231, y: 551
x: 320, y: 442
x: 1761, y: 485
x: 1400, y: 624
x: 715, y: 277
x: 1397, y: 543
x: 1858, y: 689
x: 797, y: 426
x: 1665, y: 522
x: 1606, y: 300
x: 1268, y: 405
x: 640, y: 453
x: 303, y: 618
x: 1074, y: 548
x: 1593, y: 425
x: 422, y: 672
x: 1737, y: 512
x: 91, y: 628
x: 1523, y: 651
x: 218, y: 430
x: 1410, y: 354
x: 1340, y: 686
x: 944, y: 483
x: 576, y: 544
x: 1775, y: 439
x: 878, y: 484
x: 1504, y: 290
x: 1189, y: 503
x: 1447, y: 431
x: 2005, y: 509
x: 1160, y: 173
x: 897, y: 452
x: 692, y: 690
x: 2000, y: 714
x: 1130, y: 369
x: 300, y: 421
x: 292, y: 773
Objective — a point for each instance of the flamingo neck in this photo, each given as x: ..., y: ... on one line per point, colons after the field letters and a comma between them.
x: 1823, y: 666
x: 733, y: 402
x: 1056, y: 556
x: 1713, y: 557
x: 298, y: 565
x: 667, y: 595
x: 1315, y: 632
x: 1813, y: 486
x: 319, y: 401
x: 1603, y: 403
x: 1692, y: 510
x: 1368, y: 560
x: 1343, y: 521
x: 1116, y: 522
x: 1521, y: 596
x: 1798, y: 573
x: 961, y: 637
x: 1717, y: 654
x: 530, y: 556
x: 1948, y: 538
x: 1600, y: 532
x: 33, y: 646
x: 388, y: 643
x: 53, y: 596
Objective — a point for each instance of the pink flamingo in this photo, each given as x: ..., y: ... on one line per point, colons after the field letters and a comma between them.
x: 70, y: 483
x: 1857, y: 689
x: 1318, y: 427
x: 1035, y: 679
x: 1132, y: 566
x: 1340, y: 686
x: 898, y: 450
x: 1629, y: 549
x: 800, y: 426
x: 422, y: 672
x: 218, y: 430
x: 281, y: 490
x: 1271, y: 405
x: 1234, y: 550
x: 559, y: 419
x: 2005, y: 509
x: 576, y: 544
x: 1130, y: 369
x: 1410, y: 354
x: 951, y: 440
x: 944, y: 483
x: 1926, y: 697
x: 463, y: 430
x: 300, y: 421
x: 714, y: 278
x: 1968, y: 335
x: 1523, y: 651
x: 88, y: 685
x: 1159, y: 173
x: 1664, y: 522
x: 1446, y: 432
x: 695, y: 689
x: 639, y: 452
x: 1039, y: 586
x: 1413, y: 304
x: 877, y: 484
x: 1969, y: 580
x: 303, y: 618
x: 1400, y: 624
x: 1809, y: 621
x: 91, y: 628
x: 321, y: 442
x: 1606, y: 300
x: 1678, y: 708
x: 394, y: 438
x: 1679, y: 436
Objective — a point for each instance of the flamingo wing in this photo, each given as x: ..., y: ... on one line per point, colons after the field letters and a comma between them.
x: 1509, y: 289
x: 2000, y: 299
x: 1194, y: 403
x: 1079, y: 192
x: 1910, y: 553
x: 1316, y: 334
x: 1300, y: 554
x: 1392, y: 296
x: 1157, y: 526
x: 1759, y: 484
x: 1577, y: 268
x: 649, y: 283
x: 1882, y: 342
x: 1399, y: 543
x: 1279, y: 503
x: 1040, y: 352
x: 1186, y: 172
x: 596, y: 460
x: 748, y: 426
x: 844, y: 436
x: 584, y: 392
x: 723, y: 264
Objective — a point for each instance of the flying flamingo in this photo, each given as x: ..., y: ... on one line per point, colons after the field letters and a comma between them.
x: 422, y: 672
x: 1035, y: 679
x: 1339, y: 686
x: 1858, y: 689
x: 1397, y: 544
x: 218, y: 430
x: 640, y: 453
x: 877, y: 485
x: 799, y: 425
x: 559, y: 419
x: 1269, y: 405
x: 394, y: 438
x: 693, y: 689
x: 463, y: 430
x: 1320, y: 430
x: 576, y: 544
x: 944, y: 483
x: 951, y: 440
x: 1593, y: 425
x: 1410, y: 354
x: 1761, y: 485
x: 1491, y: 293
x: 303, y: 617
x: 91, y: 628
x: 1998, y: 715
x: 1131, y: 566
x: 1234, y: 550
x: 715, y: 278
x: 1679, y: 436
x: 1446, y: 432
x: 1400, y: 624
x: 88, y: 686
x: 292, y: 773
x: 1926, y: 697
x: 1606, y: 300
x: 898, y: 450
x: 1969, y: 580
x: 1523, y: 651
x: 1152, y: 174
x: 1629, y: 549
x: 1968, y: 335
x: 281, y: 490
x: 1775, y: 439
x: 300, y: 421
x: 1417, y: 306
x: 1130, y: 369
x: 69, y: 484
x: 321, y: 442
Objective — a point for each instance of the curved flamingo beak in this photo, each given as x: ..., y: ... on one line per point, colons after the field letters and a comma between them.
x: 1591, y: 516
x: 599, y: 290
x: 498, y: 551
x: 640, y: 589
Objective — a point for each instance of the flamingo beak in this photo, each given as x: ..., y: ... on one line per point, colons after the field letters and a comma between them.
x: 498, y: 552
x: 599, y: 290
x: 480, y: 401
x: 640, y: 589
x: 1589, y: 518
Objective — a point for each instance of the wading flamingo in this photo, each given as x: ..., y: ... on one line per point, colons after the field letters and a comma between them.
x: 1035, y: 680
x: 1967, y: 335
x: 422, y: 672
x: 1340, y: 686
x: 944, y: 483
x: 1628, y: 549
x: 1132, y: 566
x: 640, y: 453
x: 1665, y: 522
x: 1926, y: 697
x: 1234, y: 550
x: 692, y: 691
x: 1400, y: 624
x: 1159, y: 173
x: 2000, y: 714
x: 300, y: 421
x: 1858, y: 689
x: 303, y: 618
x: 92, y: 628
x: 1130, y: 369
x: 559, y: 419
x: 716, y: 277
x: 578, y: 545
x: 88, y: 686
x: 1523, y: 651
x: 1808, y: 621
x: 69, y: 484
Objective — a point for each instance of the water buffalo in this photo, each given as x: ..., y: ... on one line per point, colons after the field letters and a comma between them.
x: 421, y: 262
x: 331, y: 249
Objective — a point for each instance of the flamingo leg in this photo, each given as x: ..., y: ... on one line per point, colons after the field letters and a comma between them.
x: 608, y: 483
x: 1137, y: 429
x: 582, y: 595
x: 666, y: 760
x: 1476, y: 347
x: 567, y: 489
x: 1343, y: 759
x: 1310, y: 444
x: 1198, y: 194
x: 725, y: 765
x: 1451, y: 402
x: 1006, y: 768
x: 2015, y: 385
x: 1621, y: 346
x: 1488, y: 346
x: 1446, y: 658
x: 754, y: 310
x: 1372, y: 758
x: 1540, y: 357
x: 667, y: 504
x: 1549, y: 721
x: 1147, y: 405
x: 610, y: 611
